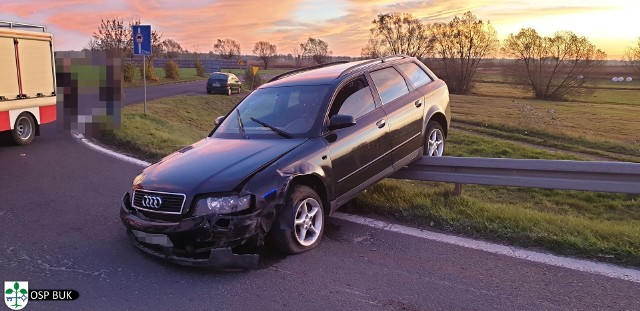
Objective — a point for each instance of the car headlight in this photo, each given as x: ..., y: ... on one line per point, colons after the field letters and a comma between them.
x: 222, y: 205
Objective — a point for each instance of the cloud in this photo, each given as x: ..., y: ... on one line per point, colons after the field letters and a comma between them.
x: 344, y: 24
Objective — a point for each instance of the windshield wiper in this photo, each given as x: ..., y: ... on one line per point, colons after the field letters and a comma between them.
x: 244, y: 134
x: 275, y: 129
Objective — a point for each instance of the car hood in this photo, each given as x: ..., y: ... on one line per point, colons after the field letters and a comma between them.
x: 214, y: 164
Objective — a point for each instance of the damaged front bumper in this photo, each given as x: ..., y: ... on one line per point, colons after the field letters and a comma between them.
x: 197, y: 241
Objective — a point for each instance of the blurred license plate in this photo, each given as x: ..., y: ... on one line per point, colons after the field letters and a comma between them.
x: 150, y: 238
x: 215, y: 84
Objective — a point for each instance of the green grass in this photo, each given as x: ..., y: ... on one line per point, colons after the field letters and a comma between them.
x: 186, y: 75
x: 624, y: 96
x: 170, y: 123
x: 587, y: 224
x: 592, y: 128
x: 464, y: 144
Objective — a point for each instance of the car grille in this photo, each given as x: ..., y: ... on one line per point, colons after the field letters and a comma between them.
x: 158, y: 202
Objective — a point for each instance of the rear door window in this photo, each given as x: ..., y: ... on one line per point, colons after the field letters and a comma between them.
x: 416, y: 75
x: 354, y: 99
x: 390, y: 84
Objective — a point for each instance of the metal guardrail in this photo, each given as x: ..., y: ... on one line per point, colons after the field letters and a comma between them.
x: 618, y: 177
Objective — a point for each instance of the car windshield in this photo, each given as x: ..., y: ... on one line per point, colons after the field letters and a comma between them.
x: 276, y: 112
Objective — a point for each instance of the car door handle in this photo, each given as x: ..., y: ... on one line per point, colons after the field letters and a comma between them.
x: 381, y: 123
x: 418, y: 103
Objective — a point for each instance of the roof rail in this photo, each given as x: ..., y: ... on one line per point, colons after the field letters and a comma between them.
x: 372, y: 62
x: 5, y: 24
x: 288, y: 73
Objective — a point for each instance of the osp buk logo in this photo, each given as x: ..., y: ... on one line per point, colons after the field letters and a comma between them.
x: 16, y: 294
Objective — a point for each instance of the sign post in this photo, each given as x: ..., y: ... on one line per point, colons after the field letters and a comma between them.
x: 142, y: 46
x: 255, y: 70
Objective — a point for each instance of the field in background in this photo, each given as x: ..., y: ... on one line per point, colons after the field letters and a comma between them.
x: 594, y: 225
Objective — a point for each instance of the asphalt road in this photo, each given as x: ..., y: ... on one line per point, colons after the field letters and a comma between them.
x: 136, y: 94
x: 59, y: 229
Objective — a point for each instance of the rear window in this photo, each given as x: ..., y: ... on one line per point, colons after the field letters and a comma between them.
x: 218, y: 76
x: 390, y: 84
x: 417, y: 76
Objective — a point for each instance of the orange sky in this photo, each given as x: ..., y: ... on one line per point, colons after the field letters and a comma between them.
x: 196, y: 24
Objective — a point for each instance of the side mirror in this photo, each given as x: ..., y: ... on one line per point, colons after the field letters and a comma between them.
x: 340, y: 121
x: 219, y: 120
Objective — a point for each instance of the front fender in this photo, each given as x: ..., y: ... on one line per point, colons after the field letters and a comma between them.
x: 271, y: 185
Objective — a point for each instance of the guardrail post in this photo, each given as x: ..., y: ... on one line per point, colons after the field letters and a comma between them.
x: 457, y: 190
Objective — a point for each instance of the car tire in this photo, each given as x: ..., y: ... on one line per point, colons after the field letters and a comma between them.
x: 304, y: 213
x: 239, y: 90
x: 434, y: 140
x: 24, y: 129
x: 229, y: 91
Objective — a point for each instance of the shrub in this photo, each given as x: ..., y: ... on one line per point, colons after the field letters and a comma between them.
x: 171, y: 70
x: 248, y: 75
x: 151, y: 73
x: 129, y: 71
x: 199, y: 67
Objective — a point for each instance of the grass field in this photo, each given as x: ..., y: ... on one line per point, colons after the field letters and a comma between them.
x: 623, y: 96
x: 594, y: 225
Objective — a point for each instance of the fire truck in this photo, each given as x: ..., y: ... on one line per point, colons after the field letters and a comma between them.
x: 27, y: 80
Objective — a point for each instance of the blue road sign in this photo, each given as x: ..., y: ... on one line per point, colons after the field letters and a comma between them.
x: 141, y: 40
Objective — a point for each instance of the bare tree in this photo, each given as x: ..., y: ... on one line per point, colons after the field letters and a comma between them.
x: 553, y: 66
x: 397, y: 33
x: 112, y: 36
x: 317, y: 49
x: 632, y: 57
x: 172, y: 48
x: 460, y: 46
x: 372, y: 49
x: 227, y: 48
x: 92, y: 45
x: 298, y: 55
x: 266, y: 51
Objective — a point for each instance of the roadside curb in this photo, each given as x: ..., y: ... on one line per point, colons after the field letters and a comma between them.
x: 109, y: 152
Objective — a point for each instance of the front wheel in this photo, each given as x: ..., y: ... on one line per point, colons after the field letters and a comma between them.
x: 304, y: 214
x: 24, y: 130
x: 434, y: 140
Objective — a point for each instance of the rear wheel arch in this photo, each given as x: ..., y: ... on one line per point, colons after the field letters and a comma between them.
x: 441, y: 119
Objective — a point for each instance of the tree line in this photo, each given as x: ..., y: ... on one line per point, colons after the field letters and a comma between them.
x: 552, y: 66
x: 113, y: 35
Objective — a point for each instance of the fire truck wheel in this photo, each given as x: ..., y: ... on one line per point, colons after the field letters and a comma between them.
x: 24, y: 129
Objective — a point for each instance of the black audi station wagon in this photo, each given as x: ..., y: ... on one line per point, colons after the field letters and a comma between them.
x: 284, y: 158
x: 223, y: 82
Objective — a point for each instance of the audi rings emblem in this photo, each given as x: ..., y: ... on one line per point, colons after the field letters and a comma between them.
x: 150, y: 201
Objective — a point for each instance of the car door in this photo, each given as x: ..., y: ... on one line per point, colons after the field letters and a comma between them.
x: 360, y: 154
x: 404, y: 109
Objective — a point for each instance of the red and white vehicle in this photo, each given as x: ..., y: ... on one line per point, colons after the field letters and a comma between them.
x: 27, y: 80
